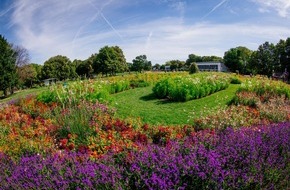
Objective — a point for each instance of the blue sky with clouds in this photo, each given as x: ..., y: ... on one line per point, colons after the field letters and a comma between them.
x: 161, y: 29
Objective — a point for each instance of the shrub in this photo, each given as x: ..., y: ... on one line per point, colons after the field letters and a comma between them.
x: 47, y: 96
x: 193, y: 68
x: 160, y: 89
x: 235, y: 80
x: 139, y: 83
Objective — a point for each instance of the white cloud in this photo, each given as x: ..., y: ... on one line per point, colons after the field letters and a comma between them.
x: 177, y: 41
x: 179, y: 6
x: 79, y: 28
x: 281, y: 6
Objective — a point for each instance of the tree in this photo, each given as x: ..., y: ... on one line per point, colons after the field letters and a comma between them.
x: 37, y: 68
x: 237, y: 59
x: 148, y: 66
x: 22, y: 56
x: 211, y: 58
x: 120, y: 63
x: 110, y: 60
x: 175, y: 64
x: 59, y: 67
x: 263, y: 60
x: 287, y: 52
x: 193, y: 58
x: 193, y: 68
x: 8, y: 75
x: 282, y: 55
x: 156, y: 66
x: 130, y: 66
x: 141, y: 63
x: 27, y: 75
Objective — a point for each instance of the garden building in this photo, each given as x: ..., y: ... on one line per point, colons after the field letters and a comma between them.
x: 50, y: 81
x: 211, y: 66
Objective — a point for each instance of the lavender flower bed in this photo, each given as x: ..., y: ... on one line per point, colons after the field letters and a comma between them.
x: 248, y: 158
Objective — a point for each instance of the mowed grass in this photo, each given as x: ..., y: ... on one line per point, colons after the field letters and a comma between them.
x: 23, y: 93
x: 141, y: 103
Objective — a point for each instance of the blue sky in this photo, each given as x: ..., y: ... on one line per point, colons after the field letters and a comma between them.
x: 161, y: 29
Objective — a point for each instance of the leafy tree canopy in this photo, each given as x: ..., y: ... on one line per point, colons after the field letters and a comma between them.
x: 141, y: 63
x: 110, y: 60
x: 175, y: 64
x: 192, y: 58
x: 237, y: 59
x: 59, y: 67
x: 8, y: 74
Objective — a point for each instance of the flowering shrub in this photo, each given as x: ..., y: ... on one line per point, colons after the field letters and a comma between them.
x: 74, y: 92
x: 58, y: 171
x: 21, y: 133
x: 247, y: 158
x: 233, y: 116
x: 265, y: 86
x: 190, y: 87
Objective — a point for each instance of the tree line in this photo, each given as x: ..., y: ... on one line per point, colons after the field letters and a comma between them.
x: 269, y: 58
x: 16, y: 71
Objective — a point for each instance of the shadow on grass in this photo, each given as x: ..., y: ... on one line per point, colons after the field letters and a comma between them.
x: 148, y: 97
x: 151, y: 97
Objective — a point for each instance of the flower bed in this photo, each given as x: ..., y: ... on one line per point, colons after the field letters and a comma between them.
x: 78, y: 143
x: 247, y: 158
x: 190, y: 87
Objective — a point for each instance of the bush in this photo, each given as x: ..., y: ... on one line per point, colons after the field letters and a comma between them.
x: 139, y: 83
x: 160, y: 89
x: 235, y: 80
x: 193, y: 68
x: 47, y: 96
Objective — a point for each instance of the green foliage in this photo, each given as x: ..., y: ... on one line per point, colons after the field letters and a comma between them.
x: 136, y: 83
x: 140, y: 63
x: 85, y: 68
x: 263, y: 60
x: 27, y: 75
x: 160, y: 89
x: 141, y: 103
x: 47, y: 96
x: 59, y: 67
x: 192, y: 58
x: 236, y: 59
x: 263, y: 86
x: 110, y: 60
x: 119, y: 86
x: 193, y: 68
x: 175, y: 65
x: 190, y: 87
x: 250, y: 91
x: 75, y: 119
x: 235, y: 80
x: 8, y: 75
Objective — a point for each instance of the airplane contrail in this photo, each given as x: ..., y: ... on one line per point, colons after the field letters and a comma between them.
x: 99, y: 13
x: 2, y: 13
x: 215, y: 8
x: 105, y: 19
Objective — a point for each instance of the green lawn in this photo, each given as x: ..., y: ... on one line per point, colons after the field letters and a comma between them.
x: 140, y: 102
x: 23, y: 93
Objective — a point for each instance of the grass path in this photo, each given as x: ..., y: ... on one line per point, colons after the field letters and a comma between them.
x: 141, y: 103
